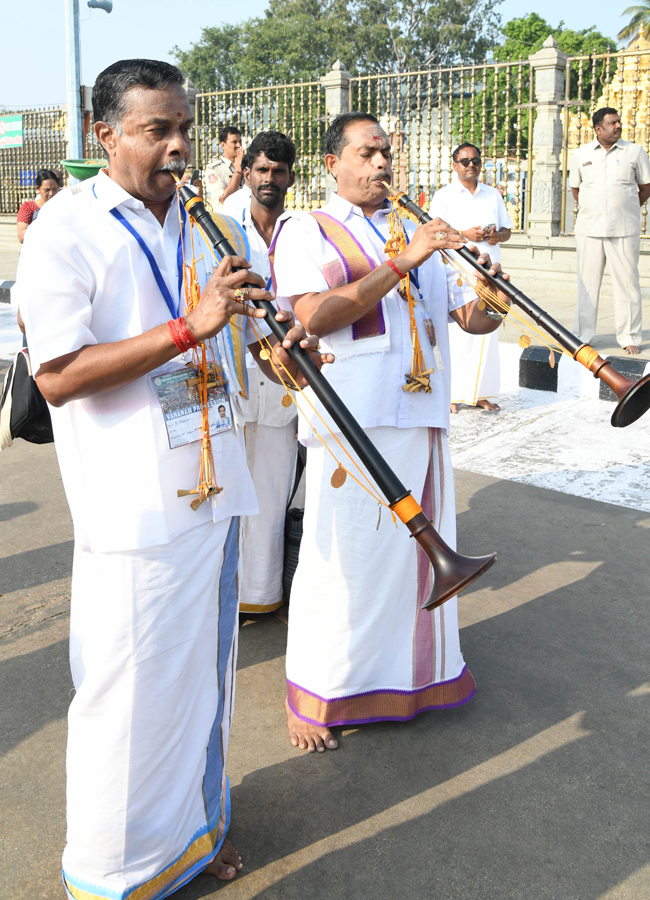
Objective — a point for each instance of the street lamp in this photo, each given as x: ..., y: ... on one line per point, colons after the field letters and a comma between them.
x: 73, y: 72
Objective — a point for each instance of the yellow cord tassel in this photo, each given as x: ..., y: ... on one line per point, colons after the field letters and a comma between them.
x: 418, y: 378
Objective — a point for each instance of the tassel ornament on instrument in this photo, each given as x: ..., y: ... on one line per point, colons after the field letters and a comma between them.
x: 452, y: 572
x: 633, y: 396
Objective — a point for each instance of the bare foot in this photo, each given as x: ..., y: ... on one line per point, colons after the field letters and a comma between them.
x: 283, y: 613
x: 453, y: 408
x: 489, y: 407
x: 226, y: 863
x: 631, y: 350
x: 307, y: 736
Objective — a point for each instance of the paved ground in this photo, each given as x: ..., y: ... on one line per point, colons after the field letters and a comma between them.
x: 538, y: 788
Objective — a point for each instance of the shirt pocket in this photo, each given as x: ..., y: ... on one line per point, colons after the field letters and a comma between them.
x: 589, y: 173
x: 623, y: 172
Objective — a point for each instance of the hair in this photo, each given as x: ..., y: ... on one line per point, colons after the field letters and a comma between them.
x: 464, y: 146
x: 224, y: 132
x: 112, y: 85
x: 334, y: 140
x: 46, y: 175
x: 274, y: 145
x: 599, y: 115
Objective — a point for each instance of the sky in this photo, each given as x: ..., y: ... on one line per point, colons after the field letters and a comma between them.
x: 34, y: 74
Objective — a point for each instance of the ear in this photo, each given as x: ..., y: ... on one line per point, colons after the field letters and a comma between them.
x: 106, y: 137
x: 246, y: 172
x: 332, y: 164
x: 292, y: 180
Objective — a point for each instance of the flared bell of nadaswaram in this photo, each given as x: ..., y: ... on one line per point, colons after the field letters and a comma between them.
x: 452, y: 572
x: 633, y: 397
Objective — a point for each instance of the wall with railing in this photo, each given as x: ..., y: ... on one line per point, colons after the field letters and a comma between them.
x: 525, y: 116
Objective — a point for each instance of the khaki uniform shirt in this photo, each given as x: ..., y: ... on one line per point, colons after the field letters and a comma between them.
x: 609, y: 188
x: 217, y: 178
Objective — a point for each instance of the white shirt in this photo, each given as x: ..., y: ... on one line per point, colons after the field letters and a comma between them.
x: 371, y: 384
x: 264, y: 403
x: 83, y: 280
x: 457, y: 205
x: 609, y: 188
x: 236, y: 203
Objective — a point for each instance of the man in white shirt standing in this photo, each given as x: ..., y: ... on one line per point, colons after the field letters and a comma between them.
x: 360, y: 647
x: 610, y: 180
x: 268, y: 413
x: 479, y: 213
x: 224, y: 176
x: 154, y: 587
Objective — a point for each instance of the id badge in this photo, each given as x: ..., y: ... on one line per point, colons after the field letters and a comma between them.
x: 178, y: 395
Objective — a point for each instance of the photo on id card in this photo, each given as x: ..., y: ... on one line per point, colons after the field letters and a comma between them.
x: 178, y: 394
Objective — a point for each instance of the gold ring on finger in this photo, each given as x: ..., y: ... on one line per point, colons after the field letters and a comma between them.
x: 239, y: 295
x: 441, y: 236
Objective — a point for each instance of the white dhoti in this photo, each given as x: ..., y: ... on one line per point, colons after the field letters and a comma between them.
x: 360, y: 649
x: 271, y: 456
x: 474, y: 365
x: 153, y: 653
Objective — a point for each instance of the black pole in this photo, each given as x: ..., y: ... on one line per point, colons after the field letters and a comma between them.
x: 383, y: 475
x: 562, y: 335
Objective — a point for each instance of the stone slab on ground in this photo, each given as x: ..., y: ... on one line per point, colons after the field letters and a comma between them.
x: 559, y: 441
x: 537, y: 788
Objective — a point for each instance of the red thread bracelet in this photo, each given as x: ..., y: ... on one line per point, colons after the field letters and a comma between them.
x: 395, y: 269
x: 181, y: 335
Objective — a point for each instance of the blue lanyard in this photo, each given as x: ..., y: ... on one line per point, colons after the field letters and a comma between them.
x: 243, y: 225
x: 174, y: 308
x: 414, y: 272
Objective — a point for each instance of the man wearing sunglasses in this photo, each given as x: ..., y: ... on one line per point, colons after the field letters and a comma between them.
x: 479, y: 213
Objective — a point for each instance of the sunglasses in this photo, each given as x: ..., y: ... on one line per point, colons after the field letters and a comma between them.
x: 475, y: 160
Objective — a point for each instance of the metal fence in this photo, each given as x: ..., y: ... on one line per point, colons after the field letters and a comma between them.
x: 620, y: 80
x: 427, y: 113
x: 44, y: 147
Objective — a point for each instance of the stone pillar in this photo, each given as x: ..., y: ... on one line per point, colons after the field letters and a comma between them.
x: 191, y: 92
x: 548, y: 67
x: 337, y: 101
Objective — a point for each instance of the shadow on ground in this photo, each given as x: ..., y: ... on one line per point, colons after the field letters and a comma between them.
x: 538, y: 787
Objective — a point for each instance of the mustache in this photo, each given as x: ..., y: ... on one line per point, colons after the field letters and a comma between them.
x: 383, y: 177
x: 174, y: 165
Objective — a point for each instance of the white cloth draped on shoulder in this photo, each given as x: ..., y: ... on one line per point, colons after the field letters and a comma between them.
x: 360, y: 649
x: 153, y: 651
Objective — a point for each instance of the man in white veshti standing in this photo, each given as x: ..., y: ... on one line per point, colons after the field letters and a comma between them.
x: 360, y: 648
x: 269, y: 415
x: 471, y: 206
x: 154, y: 585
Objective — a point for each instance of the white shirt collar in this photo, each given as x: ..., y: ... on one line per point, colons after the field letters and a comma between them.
x: 341, y: 208
x: 462, y: 189
x: 109, y: 194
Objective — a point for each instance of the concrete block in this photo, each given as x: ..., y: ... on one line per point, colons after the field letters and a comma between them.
x: 5, y: 291
x: 535, y: 371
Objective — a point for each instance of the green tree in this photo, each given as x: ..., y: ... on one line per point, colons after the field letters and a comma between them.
x: 300, y: 39
x: 521, y: 38
x: 640, y: 19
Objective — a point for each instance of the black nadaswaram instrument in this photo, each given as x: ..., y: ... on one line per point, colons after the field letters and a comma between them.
x: 452, y: 571
x: 633, y: 396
